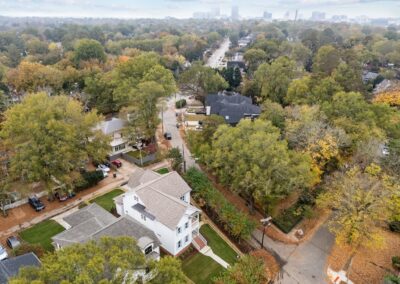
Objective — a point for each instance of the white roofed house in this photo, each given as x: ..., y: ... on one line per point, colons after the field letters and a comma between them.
x: 162, y: 204
x: 114, y: 129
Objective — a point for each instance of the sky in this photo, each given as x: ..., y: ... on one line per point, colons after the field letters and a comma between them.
x: 186, y: 8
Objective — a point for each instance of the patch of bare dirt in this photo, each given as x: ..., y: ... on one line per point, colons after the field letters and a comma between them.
x: 271, y: 265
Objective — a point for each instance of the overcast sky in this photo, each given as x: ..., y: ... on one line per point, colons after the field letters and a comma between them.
x: 186, y: 8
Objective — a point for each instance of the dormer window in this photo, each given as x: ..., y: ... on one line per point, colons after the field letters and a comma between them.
x: 148, y: 249
x: 143, y: 217
x: 183, y: 198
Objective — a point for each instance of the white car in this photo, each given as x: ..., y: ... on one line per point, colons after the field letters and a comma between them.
x: 104, y: 168
x: 3, y: 253
x: 105, y: 174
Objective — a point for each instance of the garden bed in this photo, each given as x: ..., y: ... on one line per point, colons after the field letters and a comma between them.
x: 289, y: 218
x: 162, y: 171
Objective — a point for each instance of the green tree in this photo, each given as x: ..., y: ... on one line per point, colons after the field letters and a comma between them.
x: 274, y: 78
x: 202, y: 80
x: 326, y: 60
x: 108, y: 260
x: 299, y: 91
x: 169, y: 270
x: 176, y: 158
x: 49, y: 138
x: 88, y: 49
x: 254, y: 57
x: 255, y: 162
x: 3, y: 102
x: 273, y: 112
x: 349, y: 78
x: 248, y: 270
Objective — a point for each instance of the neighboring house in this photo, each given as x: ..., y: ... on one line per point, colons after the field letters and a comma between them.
x: 162, y: 204
x: 383, y: 86
x: 93, y: 222
x: 369, y: 77
x: 10, y: 267
x: 236, y: 61
x: 233, y: 107
x: 114, y: 129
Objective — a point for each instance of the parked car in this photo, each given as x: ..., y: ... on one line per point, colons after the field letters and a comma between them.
x: 105, y: 174
x: 168, y: 135
x: 3, y: 253
x: 61, y: 195
x: 13, y: 242
x: 117, y: 163
x: 36, y: 203
x: 103, y: 167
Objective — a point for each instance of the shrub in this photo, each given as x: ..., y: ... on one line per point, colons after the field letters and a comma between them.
x: 27, y: 247
x: 180, y: 104
x: 307, y: 198
x: 392, y: 279
x: 89, y: 179
x: 394, y: 226
x: 234, y: 221
x: 396, y: 262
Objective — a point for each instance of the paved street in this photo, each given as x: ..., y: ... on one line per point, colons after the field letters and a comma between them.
x: 304, y: 263
x: 216, y: 58
x: 170, y: 121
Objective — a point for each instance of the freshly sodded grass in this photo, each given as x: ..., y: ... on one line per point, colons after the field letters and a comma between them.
x: 162, y: 171
x: 218, y: 245
x: 201, y: 269
x: 106, y: 201
x: 41, y: 233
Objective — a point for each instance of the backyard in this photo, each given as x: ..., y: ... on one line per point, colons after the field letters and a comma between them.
x: 218, y: 245
x: 201, y: 269
x: 106, y: 201
x: 41, y: 233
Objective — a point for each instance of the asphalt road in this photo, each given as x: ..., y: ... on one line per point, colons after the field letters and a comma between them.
x: 216, y: 58
x: 170, y: 121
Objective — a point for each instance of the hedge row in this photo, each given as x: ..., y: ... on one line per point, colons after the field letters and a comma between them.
x: 89, y: 179
x: 234, y: 221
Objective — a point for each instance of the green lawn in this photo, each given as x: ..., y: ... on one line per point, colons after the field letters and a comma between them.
x: 218, y: 245
x: 106, y: 201
x: 201, y: 269
x: 162, y: 171
x: 41, y: 233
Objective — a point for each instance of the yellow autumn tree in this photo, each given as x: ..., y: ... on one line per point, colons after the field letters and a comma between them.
x: 391, y: 97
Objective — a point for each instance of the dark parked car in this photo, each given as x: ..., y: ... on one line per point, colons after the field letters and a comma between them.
x: 13, y: 242
x: 36, y: 203
x: 117, y: 163
x: 168, y: 135
x: 61, y: 195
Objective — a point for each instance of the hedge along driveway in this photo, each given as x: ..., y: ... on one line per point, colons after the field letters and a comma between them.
x: 41, y: 233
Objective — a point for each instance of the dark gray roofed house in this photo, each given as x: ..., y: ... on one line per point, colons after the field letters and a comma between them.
x: 93, y: 222
x: 232, y: 107
x: 10, y: 267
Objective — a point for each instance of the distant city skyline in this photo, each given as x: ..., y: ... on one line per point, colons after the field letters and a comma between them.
x: 186, y: 8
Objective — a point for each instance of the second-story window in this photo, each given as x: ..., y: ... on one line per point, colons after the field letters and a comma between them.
x: 143, y: 217
x: 186, y: 225
x: 136, y: 198
x: 183, y: 198
x: 179, y: 230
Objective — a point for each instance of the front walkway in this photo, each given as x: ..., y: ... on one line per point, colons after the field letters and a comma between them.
x: 208, y: 252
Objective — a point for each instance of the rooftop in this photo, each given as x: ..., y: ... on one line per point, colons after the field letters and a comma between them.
x: 110, y: 126
x: 10, y: 267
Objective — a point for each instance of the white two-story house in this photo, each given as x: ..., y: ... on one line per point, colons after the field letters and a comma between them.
x: 114, y: 129
x: 161, y: 203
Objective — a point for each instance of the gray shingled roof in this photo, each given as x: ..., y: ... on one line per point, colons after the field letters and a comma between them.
x: 10, y: 267
x: 161, y: 197
x: 95, y: 211
x: 140, y: 176
x: 127, y: 226
x: 232, y: 107
x: 111, y: 126
x: 96, y: 222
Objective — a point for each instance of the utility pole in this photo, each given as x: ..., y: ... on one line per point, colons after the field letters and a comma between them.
x: 265, y: 222
x: 162, y: 119
x: 183, y: 156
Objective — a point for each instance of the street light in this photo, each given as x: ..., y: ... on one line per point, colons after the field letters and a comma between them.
x: 265, y: 222
x: 139, y: 145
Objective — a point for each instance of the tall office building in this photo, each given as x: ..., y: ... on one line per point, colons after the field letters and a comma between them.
x: 235, y: 13
x: 317, y: 16
x: 267, y: 16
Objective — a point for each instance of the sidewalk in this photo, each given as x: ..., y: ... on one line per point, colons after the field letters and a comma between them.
x: 57, y: 211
